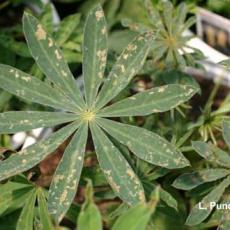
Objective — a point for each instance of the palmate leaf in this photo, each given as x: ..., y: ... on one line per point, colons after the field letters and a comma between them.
x: 145, y: 144
x: 127, y: 65
x: 197, y: 215
x: 12, y: 122
x: 94, y: 52
x: 170, y: 24
x: 32, y: 89
x: 29, y: 157
x: 116, y: 169
x: 189, y: 181
x: 65, y: 181
x: 50, y: 59
x: 159, y: 99
x: 23, y: 194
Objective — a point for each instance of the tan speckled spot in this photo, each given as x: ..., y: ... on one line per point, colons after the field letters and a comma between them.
x: 40, y: 33
x: 50, y: 44
x: 58, y: 56
x: 99, y: 14
x: 103, y: 31
x: 141, y: 196
x: 63, y: 196
x: 130, y: 173
x: 113, y: 184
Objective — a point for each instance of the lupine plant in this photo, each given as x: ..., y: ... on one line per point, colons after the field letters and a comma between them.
x: 171, y: 48
x: 89, y: 111
x: 218, y: 170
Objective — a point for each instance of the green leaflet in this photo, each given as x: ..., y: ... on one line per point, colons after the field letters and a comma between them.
x: 32, y: 155
x: 66, y: 28
x: 12, y: 122
x: 94, y: 52
x: 159, y: 99
x: 135, y: 26
x: 118, y: 172
x: 89, y: 217
x: 167, y: 14
x: 197, y: 215
x: 32, y: 89
x: 46, y: 18
x: 168, y: 199
x: 218, y: 216
x: 180, y: 17
x: 5, y: 97
x: 212, y: 153
x: 10, y: 186
x: 127, y: 65
x: 49, y: 58
x: 64, y: 184
x: 13, y: 196
x: 189, y: 181
x: 45, y: 219
x: 145, y: 144
x: 191, y: 21
x: 226, y: 132
x: 7, y: 41
x: 27, y: 215
x: 225, y: 221
x: 152, y: 13
x: 137, y: 217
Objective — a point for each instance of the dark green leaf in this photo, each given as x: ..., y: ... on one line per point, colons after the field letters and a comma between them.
x: 94, y: 52
x: 116, y: 169
x: 212, y: 153
x: 189, y: 181
x: 145, y: 144
x: 12, y: 122
x: 155, y: 100
x: 29, y: 157
x: 32, y: 89
x: 66, y: 178
x: 49, y: 58
x: 127, y: 65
